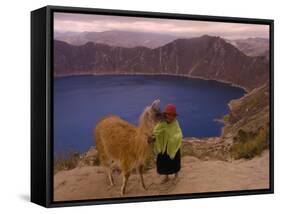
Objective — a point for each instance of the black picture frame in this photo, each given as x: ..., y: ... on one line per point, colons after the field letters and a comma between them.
x: 42, y: 102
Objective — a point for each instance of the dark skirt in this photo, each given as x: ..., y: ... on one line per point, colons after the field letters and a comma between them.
x: 166, y: 165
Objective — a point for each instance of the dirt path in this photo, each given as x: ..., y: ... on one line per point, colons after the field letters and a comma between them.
x: 195, y: 176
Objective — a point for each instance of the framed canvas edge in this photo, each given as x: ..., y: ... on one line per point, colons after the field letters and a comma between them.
x: 38, y: 190
x: 49, y: 102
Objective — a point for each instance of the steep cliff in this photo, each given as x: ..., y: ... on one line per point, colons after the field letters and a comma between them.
x: 205, y: 57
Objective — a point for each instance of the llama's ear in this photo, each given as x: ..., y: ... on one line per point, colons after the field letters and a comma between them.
x: 156, y: 104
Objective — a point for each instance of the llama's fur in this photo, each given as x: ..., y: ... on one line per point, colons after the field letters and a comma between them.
x: 123, y: 143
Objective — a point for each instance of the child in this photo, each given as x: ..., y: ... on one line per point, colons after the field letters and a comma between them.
x: 168, y: 140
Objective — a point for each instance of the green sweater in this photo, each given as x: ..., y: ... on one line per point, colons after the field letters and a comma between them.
x: 167, y: 135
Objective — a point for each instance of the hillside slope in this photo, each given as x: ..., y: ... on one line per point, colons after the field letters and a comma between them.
x: 249, y: 113
x: 205, y: 57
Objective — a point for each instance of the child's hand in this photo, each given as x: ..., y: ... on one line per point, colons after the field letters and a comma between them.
x: 151, y: 139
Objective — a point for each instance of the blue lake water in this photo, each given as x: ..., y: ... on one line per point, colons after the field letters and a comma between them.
x: 79, y: 102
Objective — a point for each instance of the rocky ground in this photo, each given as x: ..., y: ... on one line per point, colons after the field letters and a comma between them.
x: 196, y: 175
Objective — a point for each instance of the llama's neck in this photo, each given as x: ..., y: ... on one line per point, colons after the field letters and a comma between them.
x: 142, y: 147
x: 141, y: 129
x: 142, y: 134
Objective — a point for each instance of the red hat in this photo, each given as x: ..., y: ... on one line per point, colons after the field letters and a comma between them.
x: 170, y: 109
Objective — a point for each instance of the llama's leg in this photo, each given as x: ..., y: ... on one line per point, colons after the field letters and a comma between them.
x: 140, y: 170
x: 109, y: 174
x: 126, y: 176
x: 106, y: 165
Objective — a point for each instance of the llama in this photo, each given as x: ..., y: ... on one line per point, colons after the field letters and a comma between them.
x: 125, y: 144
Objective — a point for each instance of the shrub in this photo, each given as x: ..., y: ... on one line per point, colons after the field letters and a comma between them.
x: 248, y: 144
x: 66, y: 162
x: 226, y: 117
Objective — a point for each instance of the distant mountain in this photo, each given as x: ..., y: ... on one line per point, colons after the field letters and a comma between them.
x: 116, y: 38
x: 73, y: 38
x: 205, y: 57
x: 252, y: 46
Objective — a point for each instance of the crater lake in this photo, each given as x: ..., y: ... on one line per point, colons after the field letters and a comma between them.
x: 80, y: 101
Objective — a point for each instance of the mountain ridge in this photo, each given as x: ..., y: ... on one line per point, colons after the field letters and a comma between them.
x: 206, y: 57
x: 251, y: 46
x: 116, y: 38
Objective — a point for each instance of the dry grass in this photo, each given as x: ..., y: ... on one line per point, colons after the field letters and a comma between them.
x: 248, y: 144
x: 66, y: 162
x: 226, y: 118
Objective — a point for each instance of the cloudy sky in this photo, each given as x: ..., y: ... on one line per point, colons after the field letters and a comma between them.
x: 64, y: 22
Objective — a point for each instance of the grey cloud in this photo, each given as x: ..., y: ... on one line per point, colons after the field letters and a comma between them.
x: 86, y: 22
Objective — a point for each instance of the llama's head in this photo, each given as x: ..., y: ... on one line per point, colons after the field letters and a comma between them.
x: 150, y: 116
